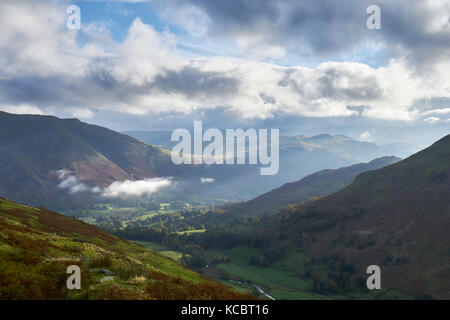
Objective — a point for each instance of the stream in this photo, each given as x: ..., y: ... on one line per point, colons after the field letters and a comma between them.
x: 259, y: 289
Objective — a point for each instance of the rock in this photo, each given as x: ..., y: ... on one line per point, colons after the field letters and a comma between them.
x: 79, y: 240
x: 107, y: 279
x: 105, y: 271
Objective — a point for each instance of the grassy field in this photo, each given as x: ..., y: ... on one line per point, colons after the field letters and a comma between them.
x: 125, y: 215
x: 276, y: 280
x: 279, y: 280
x: 162, y: 250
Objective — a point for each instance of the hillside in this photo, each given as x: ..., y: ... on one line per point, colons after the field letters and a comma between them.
x: 34, y: 148
x: 318, y: 184
x: 396, y: 217
x: 37, y: 246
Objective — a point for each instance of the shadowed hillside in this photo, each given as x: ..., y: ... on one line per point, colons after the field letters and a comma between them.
x: 33, y: 149
x: 317, y: 184
x: 397, y: 217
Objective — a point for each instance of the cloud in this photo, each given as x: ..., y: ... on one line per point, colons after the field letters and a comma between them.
x: 365, y: 135
x: 437, y: 111
x: 118, y: 188
x: 70, y: 182
x: 21, y: 109
x: 82, y: 113
x: 431, y: 120
x: 136, y: 188
x: 206, y: 180
x: 319, y: 27
x: 45, y: 68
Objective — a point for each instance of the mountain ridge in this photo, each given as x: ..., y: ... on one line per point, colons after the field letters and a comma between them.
x: 397, y: 217
x: 33, y: 148
x: 318, y: 184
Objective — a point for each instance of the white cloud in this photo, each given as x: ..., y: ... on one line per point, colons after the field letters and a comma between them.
x: 365, y: 135
x: 34, y: 35
x: 82, y: 113
x: 144, y: 54
x: 437, y: 111
x: 431, y: 120
x: 118, y: 188
x: 207, y: 180
x: 21, y: 109
x: 70, y: 182
x: 136, y: 188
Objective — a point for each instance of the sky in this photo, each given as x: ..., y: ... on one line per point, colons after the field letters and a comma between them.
x: 305, y: 67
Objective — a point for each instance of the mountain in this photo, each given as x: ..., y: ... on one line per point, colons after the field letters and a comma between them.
x: 396, y: 217
x: 318, y: 184
x: 37, y: 246
x: 341, y: 145
x: 299, y: 156
x: 38, y: 153
x: 154, y: 137
x: 34, y: 148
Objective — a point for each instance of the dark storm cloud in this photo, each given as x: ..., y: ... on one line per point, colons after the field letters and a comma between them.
x: 410, y: 25
x: 192, y: 82
x: 365, y: 87
x: 326, y: 27
x: 188, y: 81
x: 25, y: 89
x: 100, y: 85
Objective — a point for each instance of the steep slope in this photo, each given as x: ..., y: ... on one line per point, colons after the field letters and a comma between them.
x: 396, y: 217
x: 33, y: 149
x: 37, y: 246
x: 318, y: 184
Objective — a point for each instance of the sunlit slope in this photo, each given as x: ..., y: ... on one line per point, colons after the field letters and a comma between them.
x: 37, y: 245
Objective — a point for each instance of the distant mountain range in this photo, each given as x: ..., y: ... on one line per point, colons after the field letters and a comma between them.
x: 396, y: 217
x: 36, y: 151
x: 318, y: 184
x: 299, y: 156
x: 343, y: 146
